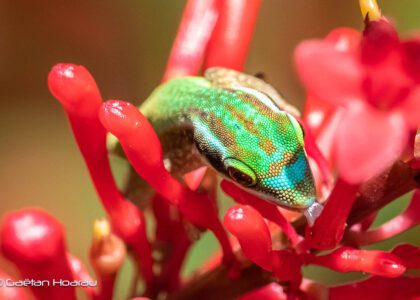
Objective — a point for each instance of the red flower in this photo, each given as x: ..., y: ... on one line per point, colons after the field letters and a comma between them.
x: 377, y: 81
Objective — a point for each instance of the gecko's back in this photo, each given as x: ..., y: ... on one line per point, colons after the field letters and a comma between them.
x: 239, y: 131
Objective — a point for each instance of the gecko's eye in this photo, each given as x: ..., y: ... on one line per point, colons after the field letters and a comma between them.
x: 240, y: 172
x: 239, y: 177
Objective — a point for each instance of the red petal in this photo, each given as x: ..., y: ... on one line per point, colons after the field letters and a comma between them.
x: 410, y: 108
x: 387, y: 85
x: 368, y: 141
x: 379, y: 41
x: 345, y: 39
x: 317, y: 113
x: 327, y: 73
x: 411, y: 59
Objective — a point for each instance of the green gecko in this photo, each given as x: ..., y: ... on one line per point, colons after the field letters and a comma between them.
x: 241, y: 127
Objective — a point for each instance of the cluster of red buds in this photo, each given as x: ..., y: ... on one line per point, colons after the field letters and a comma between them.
x: 361, y: 121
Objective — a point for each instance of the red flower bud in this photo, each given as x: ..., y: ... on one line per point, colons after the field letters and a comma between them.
x: 348, y: 259
x: 249, y: 227
x: 34, y: 241
x: 268, y: 210
x: 76, y: 89
x: 107, y: 254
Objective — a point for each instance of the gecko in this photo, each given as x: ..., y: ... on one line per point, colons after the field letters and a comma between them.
x: 242, y: 128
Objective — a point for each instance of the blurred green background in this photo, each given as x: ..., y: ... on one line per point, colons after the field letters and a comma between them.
x: 125, y: 45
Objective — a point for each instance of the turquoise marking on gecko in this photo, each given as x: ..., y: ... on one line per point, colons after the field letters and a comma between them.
x: 241, y: 127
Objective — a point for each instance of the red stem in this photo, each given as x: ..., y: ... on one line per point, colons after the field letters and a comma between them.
x: 80, y: 272
x: 194, y: 32
x: 171, y: 232
x: 232, y: 35
x: 106, y: 287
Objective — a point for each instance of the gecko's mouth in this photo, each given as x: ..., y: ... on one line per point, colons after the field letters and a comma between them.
x: 277, y: 200
x: 311, y: 211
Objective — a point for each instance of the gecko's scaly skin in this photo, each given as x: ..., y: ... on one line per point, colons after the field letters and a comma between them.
x: 238, y: 129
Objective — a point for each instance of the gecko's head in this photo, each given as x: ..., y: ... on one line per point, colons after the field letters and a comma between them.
x: 260, y: 148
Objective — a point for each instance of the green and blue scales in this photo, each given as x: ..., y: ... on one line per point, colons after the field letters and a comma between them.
x: 242, y: 128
